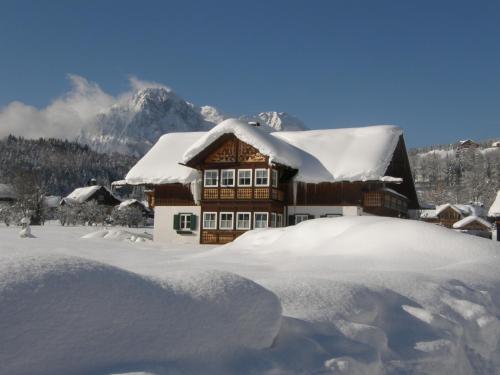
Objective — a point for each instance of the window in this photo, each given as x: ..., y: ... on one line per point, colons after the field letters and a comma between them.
x: 226, y: 220
x: 210, y: 220
x: 279, y: 222
x: 300, y: 218
x: 274, y: 219
x: 227, y: 177
x: 243, y: 220
x: 262, y: 177
x: 211, y: 178
x: 185, y: 222
x: 274, y: 178
x: 260, y: 220
x: 244, y: 177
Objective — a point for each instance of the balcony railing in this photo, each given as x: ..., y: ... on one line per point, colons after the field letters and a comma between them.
x: 242, y: 193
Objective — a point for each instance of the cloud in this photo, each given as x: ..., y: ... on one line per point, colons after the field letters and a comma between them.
x: 67, y: 115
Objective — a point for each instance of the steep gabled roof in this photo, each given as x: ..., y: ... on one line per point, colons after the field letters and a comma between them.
x: 332, y: 155
x: 80, y: 195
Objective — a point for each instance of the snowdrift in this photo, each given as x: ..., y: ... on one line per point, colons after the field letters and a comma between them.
x: 120, y: 235
x: 67, y: 315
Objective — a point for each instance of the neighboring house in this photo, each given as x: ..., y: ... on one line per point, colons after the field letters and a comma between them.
x: 101, y: 194
x: 135, y: 203
x: 211, y: 187
x: 51, y: 204
x: 467, y: 143
x: 448, y: 214
x: 494, y: 215
x: 474, y: 225
x: 495, y: 144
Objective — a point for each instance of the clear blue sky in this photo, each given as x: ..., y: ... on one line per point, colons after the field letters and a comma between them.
x: 432, y: 67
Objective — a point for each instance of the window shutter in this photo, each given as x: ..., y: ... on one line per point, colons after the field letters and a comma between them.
x: 193, y: 222
x: 291, y: 219
x: 177, y: 222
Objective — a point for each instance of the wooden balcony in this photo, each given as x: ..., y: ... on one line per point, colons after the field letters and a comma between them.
x: 242, y: 193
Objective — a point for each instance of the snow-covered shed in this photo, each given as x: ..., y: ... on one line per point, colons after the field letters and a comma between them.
x: 101, y: 194
x: 448, y: 214
x: 237, y: 177
x: 7, y: 193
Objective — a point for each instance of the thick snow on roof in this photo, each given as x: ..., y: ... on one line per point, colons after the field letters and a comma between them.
x: 161, y: 164
x: 279, y: 151
x: 350, y: 154
x: 462, y: 209
x: 129, y: 202
x: 470, y: 219
x: 495, y: 207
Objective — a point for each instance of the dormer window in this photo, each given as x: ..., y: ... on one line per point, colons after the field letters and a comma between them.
x: 211, y: 178
x: 227, y: 177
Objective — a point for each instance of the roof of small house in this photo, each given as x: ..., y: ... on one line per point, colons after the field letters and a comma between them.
x: 7, y: 192
x: 471, y: 219
x: 330, y: 155
x: 428, y: 214
x: 495, y: 207
x: 462, y: 209
x: 80, y: 195
x: 130, y: 202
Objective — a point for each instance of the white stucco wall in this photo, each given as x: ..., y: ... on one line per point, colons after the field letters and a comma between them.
x: 164, y: 231
x: 318, y: 211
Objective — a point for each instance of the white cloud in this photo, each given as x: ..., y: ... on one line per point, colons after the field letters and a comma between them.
x: 66, y: 116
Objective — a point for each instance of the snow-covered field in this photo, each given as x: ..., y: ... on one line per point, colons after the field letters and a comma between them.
x: 361, y: 295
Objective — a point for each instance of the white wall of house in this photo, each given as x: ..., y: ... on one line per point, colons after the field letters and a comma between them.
x: 164, y: 231
x: 318, y: 211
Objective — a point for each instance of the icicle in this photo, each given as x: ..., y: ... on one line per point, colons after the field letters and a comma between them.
x: 294, y: 191
x: 196, y: 189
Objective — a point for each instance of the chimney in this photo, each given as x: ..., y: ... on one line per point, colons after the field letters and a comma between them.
x: 254, y: 123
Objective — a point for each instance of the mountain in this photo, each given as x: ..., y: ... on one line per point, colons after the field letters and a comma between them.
x: 135, y: 124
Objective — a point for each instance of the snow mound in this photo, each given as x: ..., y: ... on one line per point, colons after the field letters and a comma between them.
x: 120, y: 235
x: 68, y: 315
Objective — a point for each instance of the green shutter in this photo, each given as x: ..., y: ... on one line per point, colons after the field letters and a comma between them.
x: 193, y: 222
x: 177, y: 222
x: 291, y: 219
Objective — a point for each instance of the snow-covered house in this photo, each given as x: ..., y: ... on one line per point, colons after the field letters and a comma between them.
x: 448, y: 214
x: 7, y: 193
x: 467, y: 143
x: 474, y: 225
x: 213, y: 186
x: 101, y: 194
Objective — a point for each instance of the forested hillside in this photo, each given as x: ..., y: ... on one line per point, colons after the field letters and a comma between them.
x: 58, y: 166
x: 451, y: 174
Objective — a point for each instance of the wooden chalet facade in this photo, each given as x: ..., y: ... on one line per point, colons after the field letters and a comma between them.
x: 233, y: 187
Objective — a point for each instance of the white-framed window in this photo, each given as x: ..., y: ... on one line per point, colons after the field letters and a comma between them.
x: 279, y: 222
x: 274, y: 178
x: 226, y: 221
x: 261, y: 177
x: 210, y: 220
x: 185, y: 221
x: 244, y: 177
x: 211, y: 178
x: 300, y: 218
x: 227, y: 177
x: 274, y: 220
x: 260, y: 219
x: 243, y: 220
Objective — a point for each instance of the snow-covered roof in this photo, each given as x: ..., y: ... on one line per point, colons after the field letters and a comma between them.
x: 495, y: 207
x: 279, y: 151
x: 428, y: 214
x: 52, y: 201
x: 80, y: 195
x: 470, y: 219
x: 129, y: 202
x: 161, y: 164
x: 331, y: 155
x: 7, y: 192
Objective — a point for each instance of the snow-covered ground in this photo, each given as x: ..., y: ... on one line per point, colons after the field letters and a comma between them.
x: 360, y: 295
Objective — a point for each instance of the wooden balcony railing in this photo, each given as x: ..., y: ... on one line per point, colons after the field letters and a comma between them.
x: 242, y: 193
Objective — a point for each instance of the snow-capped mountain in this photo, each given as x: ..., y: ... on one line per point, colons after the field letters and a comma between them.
x: 133, y: 125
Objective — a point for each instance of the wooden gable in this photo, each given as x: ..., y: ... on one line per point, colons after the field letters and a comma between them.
x: 225, y: 153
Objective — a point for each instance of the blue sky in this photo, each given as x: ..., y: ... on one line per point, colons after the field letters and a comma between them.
x: 431, y: 67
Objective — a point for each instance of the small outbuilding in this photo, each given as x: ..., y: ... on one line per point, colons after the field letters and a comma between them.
x: 101, y: 194
x: 474, y: 225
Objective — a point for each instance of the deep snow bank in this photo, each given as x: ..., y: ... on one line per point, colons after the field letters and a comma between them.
x: 120, y: 235
x: 67, y: 315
